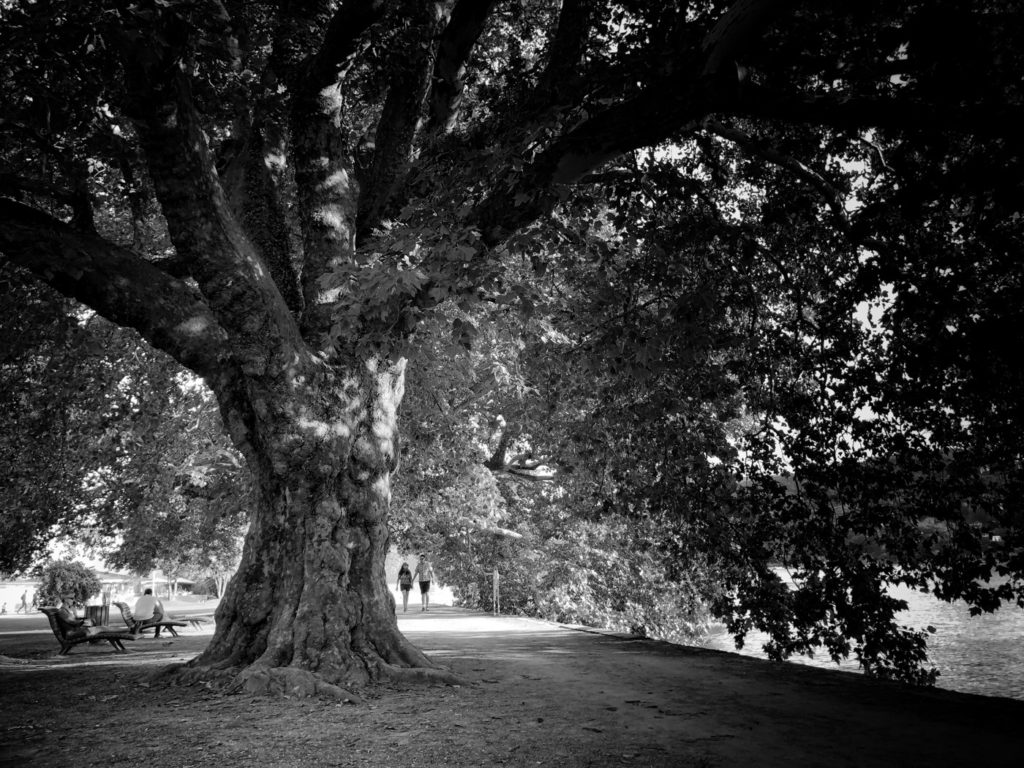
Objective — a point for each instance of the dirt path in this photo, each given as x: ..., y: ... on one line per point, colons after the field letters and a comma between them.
x: 537, y: 694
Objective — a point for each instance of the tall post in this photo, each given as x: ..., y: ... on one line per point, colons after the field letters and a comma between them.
x: 496, y: 593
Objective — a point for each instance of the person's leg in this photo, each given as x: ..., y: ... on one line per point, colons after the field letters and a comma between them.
x: 405, y: 600
x: 426, y: 597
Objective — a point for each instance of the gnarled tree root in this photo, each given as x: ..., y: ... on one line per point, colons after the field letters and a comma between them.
x: 292, y: 682
x: 428, y: 675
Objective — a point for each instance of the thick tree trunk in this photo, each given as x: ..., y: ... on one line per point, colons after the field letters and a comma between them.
x: 309, y: 609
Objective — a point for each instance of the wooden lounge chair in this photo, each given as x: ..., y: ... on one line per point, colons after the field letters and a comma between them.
x: 69, y: 635
x: 196, y: 622
x: 155, y: 624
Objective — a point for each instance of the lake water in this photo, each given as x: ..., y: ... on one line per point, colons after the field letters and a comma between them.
x: 974, y: 654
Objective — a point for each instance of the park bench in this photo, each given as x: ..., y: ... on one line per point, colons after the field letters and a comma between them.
x: 195, y: 621
x: 69, y: 635
x: 155, y: 623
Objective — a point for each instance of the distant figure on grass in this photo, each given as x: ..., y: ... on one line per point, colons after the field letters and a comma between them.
x: 424, y: 575
x: 147, y: 608
x: 405, y: 584
x: 23, y: 605
x: 3, y: 611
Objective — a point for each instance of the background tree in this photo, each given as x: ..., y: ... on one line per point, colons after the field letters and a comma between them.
x: 111, y: 445
x: 67, y: 577
x: 326, y: 178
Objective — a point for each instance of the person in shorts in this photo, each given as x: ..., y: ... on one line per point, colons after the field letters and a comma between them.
x: 424, y: 575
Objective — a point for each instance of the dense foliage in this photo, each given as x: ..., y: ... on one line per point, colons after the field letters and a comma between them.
x: 111, y: 445
x: 706, y: 305
x: 63, y: 578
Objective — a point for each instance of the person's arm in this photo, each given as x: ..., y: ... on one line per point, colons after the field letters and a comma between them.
x: 68, y: 617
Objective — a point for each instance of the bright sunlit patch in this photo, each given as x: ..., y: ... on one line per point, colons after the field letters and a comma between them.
x: 275, y: 161
x: 323, y: 429
x: 870, y: 313
x: 337, y: 182
x: 193, y: 326
x: 330, y: 99
x: 330, y: 216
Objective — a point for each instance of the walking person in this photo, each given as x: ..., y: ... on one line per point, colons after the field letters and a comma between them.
x: 23, y: 605
x: 424, y: 575
x: 405, y: 585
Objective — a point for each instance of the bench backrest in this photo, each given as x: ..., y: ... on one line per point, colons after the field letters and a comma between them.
x: 59, y: 626
x: 126, y: 612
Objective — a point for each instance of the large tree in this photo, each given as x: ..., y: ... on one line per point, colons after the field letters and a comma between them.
x: 328, y: 173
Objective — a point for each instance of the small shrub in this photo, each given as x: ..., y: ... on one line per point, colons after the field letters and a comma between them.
x: 67, y: 577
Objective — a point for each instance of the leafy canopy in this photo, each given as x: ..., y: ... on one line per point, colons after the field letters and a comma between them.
x: 744, y: 274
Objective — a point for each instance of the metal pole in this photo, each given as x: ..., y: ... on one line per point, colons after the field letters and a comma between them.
x: 496, y: 595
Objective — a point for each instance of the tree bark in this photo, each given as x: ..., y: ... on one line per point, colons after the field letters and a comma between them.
x: 566, y: 49
x: 310, y: 598
x: 309, y: 607
x: 464, y: 28
x: 401, y: 116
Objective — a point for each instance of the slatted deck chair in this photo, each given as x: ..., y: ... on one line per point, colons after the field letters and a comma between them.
x: 196, y: 622
x: 69, y: 635
x: 156, y: 624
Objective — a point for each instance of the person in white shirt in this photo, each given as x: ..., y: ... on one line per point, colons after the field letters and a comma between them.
x: 147, y: 607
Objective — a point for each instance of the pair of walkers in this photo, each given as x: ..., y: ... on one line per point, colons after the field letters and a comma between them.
x: 424, y: 574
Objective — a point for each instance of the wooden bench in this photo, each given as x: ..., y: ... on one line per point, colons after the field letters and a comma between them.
x: 69, y: 635
x: 155, y: 623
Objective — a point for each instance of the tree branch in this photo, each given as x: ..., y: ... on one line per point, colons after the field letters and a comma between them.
x: 326, y: 187
x: 237, y: 286
x: 341, y: 43
x: 654, y: 115
x: 851, y: 112
x: 169, y: 313
x: 400, y: 118
x: 757, y: 148
x: 76, y: 198
x: 12, y: 185
x: 566, y: 48
x: 667, y: 107
x: 738, y: 27
x: 460, y: 35
x: 251, y: 163
x: 498, y: 460
x: 253, y: 185
x: 530, y: 475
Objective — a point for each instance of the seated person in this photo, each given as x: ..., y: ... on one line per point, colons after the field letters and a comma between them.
x: 147, y: 608
x: 75, y: 627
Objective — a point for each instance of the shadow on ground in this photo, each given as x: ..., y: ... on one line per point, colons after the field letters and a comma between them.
x: 536, y: 693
